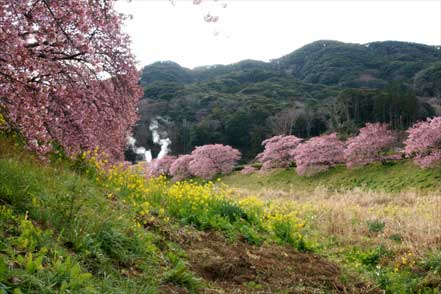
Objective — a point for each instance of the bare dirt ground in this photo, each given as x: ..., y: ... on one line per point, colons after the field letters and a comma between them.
x: 242, y: 268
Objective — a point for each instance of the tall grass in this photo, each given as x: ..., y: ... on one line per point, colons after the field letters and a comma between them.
x: 389, y: 237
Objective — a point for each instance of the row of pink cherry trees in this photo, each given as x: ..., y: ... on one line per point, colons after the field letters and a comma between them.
x: 320, y: 153
x: 317, y: 154
x: 312, y: 156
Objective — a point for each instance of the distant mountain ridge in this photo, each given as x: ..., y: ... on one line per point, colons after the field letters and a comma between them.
x: 322, y: 62
x: 342, y: 64
x: 327, y: 85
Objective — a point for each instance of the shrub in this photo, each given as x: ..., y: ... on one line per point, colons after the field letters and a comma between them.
x: 424, y: 142
x: 278, y: 151
x: 231, y: 211
x: 318, y: 154
x: 161, y: 166
x: 180, y: 169
x: 210, y: 160
x: 368, y: 145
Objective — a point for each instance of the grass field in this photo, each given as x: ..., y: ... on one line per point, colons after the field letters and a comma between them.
x: 392, y: 177
x: 380, y: 221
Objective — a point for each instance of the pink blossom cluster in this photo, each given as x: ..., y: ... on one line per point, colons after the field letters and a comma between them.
x: 210, y: 160
x: 278, y: 152
x: 368, y: 145
x: 318, y: 154
x: 161, y: 167
x: 424, y: 142
x: 248, y: 169
x: 180, y: 169
x: 67, y: 75
x: 392, y: 157
x: 205, y: 162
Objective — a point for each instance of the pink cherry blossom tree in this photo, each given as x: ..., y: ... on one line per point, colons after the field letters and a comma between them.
x: 210, y: 160
x: 161, y: 166
x: 368, y: 145
x: 318, y: 154
x: 278, y: 151
x: 67, y: 75
x: 424, y: 143
x: 180, y: 169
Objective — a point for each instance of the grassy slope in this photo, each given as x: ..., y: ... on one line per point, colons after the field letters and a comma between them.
x: 393, y: 177
x: 62, y: 231
x: 59, y: 233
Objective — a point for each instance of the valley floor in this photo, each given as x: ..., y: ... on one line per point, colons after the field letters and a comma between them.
x: 72, y: 226
x: 381, y: 222
x: 77, y: 226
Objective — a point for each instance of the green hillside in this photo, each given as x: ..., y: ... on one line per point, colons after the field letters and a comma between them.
x: 324, y: 86
x: 371, y: 65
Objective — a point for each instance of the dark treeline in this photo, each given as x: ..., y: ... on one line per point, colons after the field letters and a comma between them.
x: 324, y: 86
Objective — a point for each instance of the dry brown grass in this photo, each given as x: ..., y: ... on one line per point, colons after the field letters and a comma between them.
x: 413, y: 217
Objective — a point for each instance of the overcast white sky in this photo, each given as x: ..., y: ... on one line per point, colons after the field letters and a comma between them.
x: 264, y: 30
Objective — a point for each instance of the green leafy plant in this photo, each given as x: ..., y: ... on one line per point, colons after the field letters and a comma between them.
x: 230, y: 210
x: 376, y: 226
x: 251, y: 236
x: 179, y: 274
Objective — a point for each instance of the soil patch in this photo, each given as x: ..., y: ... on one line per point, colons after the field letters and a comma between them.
x: 242, y: 268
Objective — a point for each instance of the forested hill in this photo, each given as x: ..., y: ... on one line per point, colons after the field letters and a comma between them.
x: 323, y: 86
